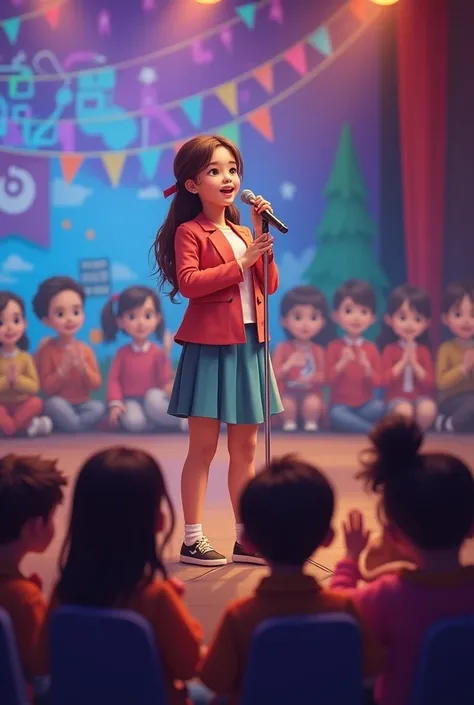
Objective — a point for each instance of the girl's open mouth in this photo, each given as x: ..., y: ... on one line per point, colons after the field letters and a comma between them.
x: 227, y: 190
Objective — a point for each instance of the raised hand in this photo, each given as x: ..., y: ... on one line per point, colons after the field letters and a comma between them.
x: 355, y: 534
x: 262, y: 243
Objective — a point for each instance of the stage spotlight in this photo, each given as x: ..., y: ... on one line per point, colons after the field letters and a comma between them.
x: 207, y: 2
x: 385, y: 2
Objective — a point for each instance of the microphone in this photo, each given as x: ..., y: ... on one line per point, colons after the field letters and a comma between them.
x: 247, y: 196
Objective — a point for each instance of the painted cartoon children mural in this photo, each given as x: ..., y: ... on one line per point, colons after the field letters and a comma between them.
x: 67, y: 367
x: 20, y: 405
x: 407, y: 366
x: 299, y: 361
x: 140, y: 377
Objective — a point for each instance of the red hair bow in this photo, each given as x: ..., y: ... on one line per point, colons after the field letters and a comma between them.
x: 170, y: 191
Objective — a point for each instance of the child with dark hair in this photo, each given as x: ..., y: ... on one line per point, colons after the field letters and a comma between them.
x: 455, y: 361
x: 353, y: 363
x: 287, y: 511
x: 67, y: 367
x: 31, y: 488
x: 20, y: 405
x: 299, y: 361
x: 407, y: 366
x: 120, y: 504
x: 140, y: 376
x: 428, y: 502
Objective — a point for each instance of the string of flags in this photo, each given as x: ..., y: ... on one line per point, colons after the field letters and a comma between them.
x: 51, y: 13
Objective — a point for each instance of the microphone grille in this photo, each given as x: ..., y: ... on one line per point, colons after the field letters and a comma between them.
x: 247, y: 196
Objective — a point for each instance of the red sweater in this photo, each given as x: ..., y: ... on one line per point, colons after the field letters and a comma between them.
x: 307, y: 378
x: 401, y: 387
x: 132, y: 373
x: 351, y: 386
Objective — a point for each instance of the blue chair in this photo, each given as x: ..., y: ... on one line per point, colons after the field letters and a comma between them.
x: 102, y: 657
x: 309, y: 660
x: 12, y: 682
x: 444, y: 675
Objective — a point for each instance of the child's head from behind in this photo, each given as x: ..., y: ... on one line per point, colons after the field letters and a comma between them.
x: 207, y: 170
x: 136, y: 311
x: 118, y: 508
x: 304, y: 313
x: 408, y: 316
x: 59, y: 304
x: 31, y: 488
x: 355, y: 307
x: 287, y: 510
x: 12, y: 321
x: 428, y: 498
x: 458, y: 310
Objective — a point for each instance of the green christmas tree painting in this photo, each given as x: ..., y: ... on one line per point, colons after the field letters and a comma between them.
x: 346, y: 235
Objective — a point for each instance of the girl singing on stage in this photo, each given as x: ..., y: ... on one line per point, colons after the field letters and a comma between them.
x: 205, y: 255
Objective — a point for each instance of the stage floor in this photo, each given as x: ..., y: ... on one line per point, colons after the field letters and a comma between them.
x: 208, y: 591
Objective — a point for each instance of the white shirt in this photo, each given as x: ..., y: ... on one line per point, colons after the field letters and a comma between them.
x: 246, y: 287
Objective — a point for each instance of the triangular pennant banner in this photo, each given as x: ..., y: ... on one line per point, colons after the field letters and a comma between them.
x: 114, y: 163
x: 262, y: 121
x: 247, y: 13
x: 149, y: 162
x: 227, y: 94
x: 192, y: 108
x: 231, y: 132
x: 321, y: 41
x: 296, y: 57
x: 70, y: 164
x: 11, y: 27
x: 264, y: 75
x: 52, y: 16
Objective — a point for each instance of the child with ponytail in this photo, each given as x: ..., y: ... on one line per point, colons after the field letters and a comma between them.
x: 204, y: 254
x: 428, y: 503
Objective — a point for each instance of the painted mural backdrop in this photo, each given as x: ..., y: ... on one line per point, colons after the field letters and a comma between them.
x: 96, y: 97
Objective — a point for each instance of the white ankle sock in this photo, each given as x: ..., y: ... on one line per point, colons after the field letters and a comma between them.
x: 239, y: 532
x: 192, y: 533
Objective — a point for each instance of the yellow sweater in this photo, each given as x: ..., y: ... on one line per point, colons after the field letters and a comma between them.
x: 26, y: 384
x: 450, y: 377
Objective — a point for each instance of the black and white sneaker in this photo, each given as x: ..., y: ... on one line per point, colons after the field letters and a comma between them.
x: 240, y: 555
x: 201, y: 553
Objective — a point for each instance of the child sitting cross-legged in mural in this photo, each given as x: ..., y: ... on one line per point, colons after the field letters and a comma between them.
x: 67, y: 367
x: 455, y: 361
x: 20, y: 405
x: 287, y: 510
x: 140, y: 377
x: 119, y: 507
x: 407, y: 367
x: 428, y: 502
x: 353, y: 363
x: 298, y: 363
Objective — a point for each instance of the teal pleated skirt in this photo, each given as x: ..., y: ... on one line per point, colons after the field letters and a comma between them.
x: 224, y: 382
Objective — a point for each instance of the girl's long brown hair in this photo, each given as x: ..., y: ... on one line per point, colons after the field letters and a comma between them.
x: 192, y: 158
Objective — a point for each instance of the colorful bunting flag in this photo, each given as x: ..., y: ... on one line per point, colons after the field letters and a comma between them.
x: 264, y: 75
x: 70, y: 164
x: 52, y: 16
x: 227, y: 94
x: 321, y: 41
x: 247, y: 13
x: 231, y: 132
x: 192, y: 108
x: 11, y: 27
x: 296, y: 57
x: 114, y: 163
x: 262, y: 121
x: 149, y: 162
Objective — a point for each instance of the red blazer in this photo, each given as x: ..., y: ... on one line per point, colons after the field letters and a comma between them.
x: 394, y: 385
x: 209, y: 276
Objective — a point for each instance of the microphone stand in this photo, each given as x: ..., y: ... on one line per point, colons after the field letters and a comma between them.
x: 267, y: 416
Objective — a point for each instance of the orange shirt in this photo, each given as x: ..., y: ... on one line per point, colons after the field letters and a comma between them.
x: 25, y: 603
x: 76, y: 384
x: 178, y: 635
x: 278, y: 595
